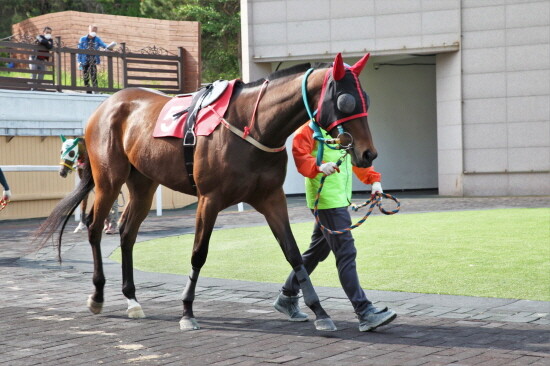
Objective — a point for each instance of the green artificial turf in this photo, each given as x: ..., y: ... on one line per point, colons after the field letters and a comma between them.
x: 494, y: 253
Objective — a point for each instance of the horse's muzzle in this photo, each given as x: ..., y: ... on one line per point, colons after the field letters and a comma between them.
x: 365, y: 160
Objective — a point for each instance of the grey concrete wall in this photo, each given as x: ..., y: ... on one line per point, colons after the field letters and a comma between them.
x: 506, y: 97
x: 32, y: 113
x: 293, y: 29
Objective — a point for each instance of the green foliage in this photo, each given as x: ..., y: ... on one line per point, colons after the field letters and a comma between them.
x: 15, y: 11
x: 494, y: 253
x: 220, y: 31
x: 220, y: 23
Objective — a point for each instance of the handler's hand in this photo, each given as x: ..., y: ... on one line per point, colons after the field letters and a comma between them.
x: 329, y: 168
x: 376, y: 188
x: 6, y: 195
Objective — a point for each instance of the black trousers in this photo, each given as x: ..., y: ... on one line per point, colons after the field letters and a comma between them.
x: 90, y: 72
x: 343, y: 247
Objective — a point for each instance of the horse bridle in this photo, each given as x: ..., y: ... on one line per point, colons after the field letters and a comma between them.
x: 317, y: 134
x: 72, y: 159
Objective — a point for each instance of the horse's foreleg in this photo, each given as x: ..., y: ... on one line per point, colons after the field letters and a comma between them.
x: 142, y: 191
x: 275, y: 211
x: 207, y: 212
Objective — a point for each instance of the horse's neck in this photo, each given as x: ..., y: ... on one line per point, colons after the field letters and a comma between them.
x: 281, y: 110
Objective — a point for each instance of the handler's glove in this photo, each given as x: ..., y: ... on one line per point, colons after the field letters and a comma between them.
x: 329, y: 168
x: 6, y: 195
x: 376, y: 188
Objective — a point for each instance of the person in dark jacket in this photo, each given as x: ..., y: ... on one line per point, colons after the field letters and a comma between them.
x: 43, y: 55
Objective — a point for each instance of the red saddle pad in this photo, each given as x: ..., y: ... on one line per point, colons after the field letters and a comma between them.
x: 207, y: 120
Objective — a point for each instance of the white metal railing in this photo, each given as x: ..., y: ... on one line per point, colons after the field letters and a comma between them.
x: 55, y: 168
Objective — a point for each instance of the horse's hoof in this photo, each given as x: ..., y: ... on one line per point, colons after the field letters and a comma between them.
x: 325, y: 325
x: 95, y: 307
x: 80, y: 228
x: 136, y: 312
x: 189, y: 324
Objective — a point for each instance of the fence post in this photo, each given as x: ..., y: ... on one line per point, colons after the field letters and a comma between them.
x: 110, y: 83
x: 57, y: 65
x: 181, y: 69
x: 124, y: 65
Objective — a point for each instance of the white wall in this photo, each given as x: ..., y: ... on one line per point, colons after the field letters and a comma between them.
x: 294, y: 29
x: 403, y: 121
x: 32, y: 113
x: 506, y: 95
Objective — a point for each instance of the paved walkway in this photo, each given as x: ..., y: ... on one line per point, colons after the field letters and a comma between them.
x: 44, y: 319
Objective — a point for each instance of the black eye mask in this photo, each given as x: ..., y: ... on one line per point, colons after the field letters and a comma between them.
x: 341, y: 100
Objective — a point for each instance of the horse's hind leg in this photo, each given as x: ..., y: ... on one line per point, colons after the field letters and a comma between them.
x: 104, y: 198
x: 141, y: 190
x: 275, y: 211
x: 207, y: 212
x: 82, y: 224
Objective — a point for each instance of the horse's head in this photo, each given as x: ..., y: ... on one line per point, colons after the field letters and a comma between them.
x: 69, y: 155
x: 343, y: 102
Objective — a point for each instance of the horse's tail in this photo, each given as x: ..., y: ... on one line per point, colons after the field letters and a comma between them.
x: 61, y: 214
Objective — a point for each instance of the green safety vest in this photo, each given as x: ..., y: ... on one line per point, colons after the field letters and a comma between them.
x: 337, y: 187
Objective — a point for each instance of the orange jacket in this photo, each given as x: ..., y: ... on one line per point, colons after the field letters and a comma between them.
x: 302, y: 146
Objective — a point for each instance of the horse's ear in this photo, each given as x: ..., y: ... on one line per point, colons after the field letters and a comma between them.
x: 338, y: 68
x: 359, y: 65
x: 63, y: 138
x: 77, y: 140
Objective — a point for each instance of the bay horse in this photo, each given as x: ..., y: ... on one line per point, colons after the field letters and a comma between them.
x: 228, y: 169
x: 74, y: 157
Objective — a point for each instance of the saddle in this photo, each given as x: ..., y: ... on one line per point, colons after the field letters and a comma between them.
x: 204, y: 97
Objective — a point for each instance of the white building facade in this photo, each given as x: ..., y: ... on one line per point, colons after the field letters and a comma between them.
x: 459, y: 89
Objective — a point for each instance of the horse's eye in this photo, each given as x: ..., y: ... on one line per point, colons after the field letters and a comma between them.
x: 346, y: 103
x: 71, y: 154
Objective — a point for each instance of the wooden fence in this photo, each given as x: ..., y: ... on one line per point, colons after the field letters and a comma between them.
x: 152, y: 68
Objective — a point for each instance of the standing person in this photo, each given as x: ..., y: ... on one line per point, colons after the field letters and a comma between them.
x: 6, y: 194
x: 88, y: 63
x: 333, y: 213
x: 44, y: 39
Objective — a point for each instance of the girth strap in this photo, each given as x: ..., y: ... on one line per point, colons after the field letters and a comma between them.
x: 189, y: 137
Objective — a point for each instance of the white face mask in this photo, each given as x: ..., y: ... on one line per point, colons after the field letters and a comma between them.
x: 47, y: 36
x: 69, y: 150
x: 93, y: 34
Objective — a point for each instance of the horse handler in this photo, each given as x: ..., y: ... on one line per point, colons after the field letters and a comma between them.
x: 333, y: 213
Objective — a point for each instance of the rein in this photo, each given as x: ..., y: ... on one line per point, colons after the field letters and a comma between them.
x: 374, y: 201
x: 3, y: 204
